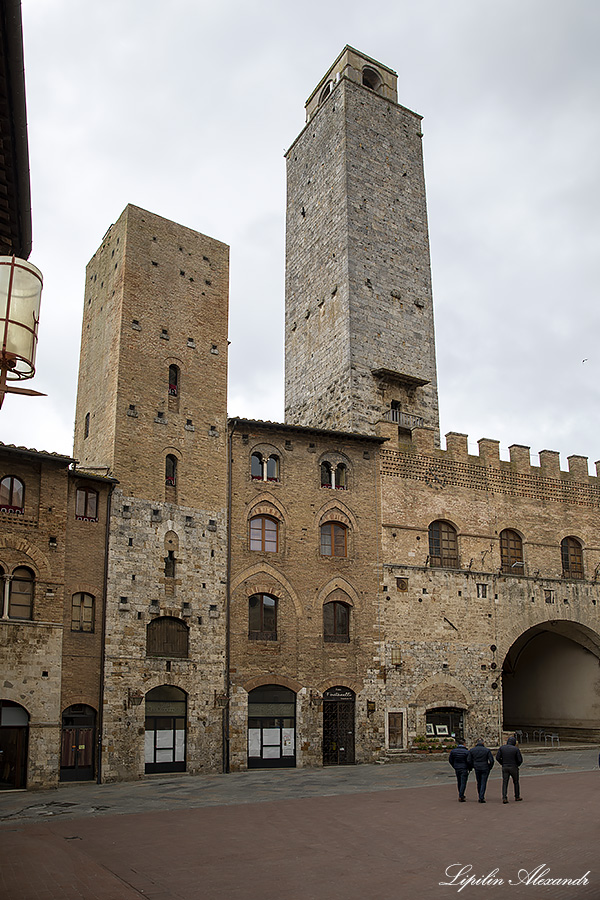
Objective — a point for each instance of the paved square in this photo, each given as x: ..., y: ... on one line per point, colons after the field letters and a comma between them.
x: 254, y: 836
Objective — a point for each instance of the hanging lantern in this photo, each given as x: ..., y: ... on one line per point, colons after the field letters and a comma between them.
x: 20, y: 296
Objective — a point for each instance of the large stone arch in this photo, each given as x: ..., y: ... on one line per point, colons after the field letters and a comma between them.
x: 551, y: 680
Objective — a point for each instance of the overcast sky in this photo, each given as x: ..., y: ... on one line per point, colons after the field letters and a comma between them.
x: 186, y: 109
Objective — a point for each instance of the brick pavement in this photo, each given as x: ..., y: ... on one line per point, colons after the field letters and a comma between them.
x: 392, y: 843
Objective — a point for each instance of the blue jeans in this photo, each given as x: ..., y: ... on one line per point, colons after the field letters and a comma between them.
x: 482, y: 776
x: 461, y: 779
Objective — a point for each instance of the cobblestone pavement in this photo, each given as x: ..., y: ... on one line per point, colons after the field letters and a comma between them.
x: 307, y: 834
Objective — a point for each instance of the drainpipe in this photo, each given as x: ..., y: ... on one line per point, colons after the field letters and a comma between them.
x: 103, y: 647
x: 232, y: 428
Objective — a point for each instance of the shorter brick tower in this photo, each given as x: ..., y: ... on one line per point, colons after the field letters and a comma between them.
x: 153, y: 367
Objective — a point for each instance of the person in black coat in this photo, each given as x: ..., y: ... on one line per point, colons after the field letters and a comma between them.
x: 480, y: 759
x: 458, y: 761
x: 509, y: 757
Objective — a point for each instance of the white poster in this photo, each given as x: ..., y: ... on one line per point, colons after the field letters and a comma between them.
x: 271, y: 753
x: 272, y: 736
x: 179, y: 746
x: 164, y: 739
x: 287, y: 735
x: 149, y: 747
x: 254, y: 742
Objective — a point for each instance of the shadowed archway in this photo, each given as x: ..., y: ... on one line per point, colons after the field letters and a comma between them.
x: 551, y: 681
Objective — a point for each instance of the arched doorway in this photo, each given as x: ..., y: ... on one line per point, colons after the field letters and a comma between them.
x: 338, y: 726
x: 445, y: 721
x: 14, y: 734
x: 271, y: 727
x: 78, y: 743
x: 165, y: 737
x: 551, y: 681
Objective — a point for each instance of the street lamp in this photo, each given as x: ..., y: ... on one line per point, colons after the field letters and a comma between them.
x: 20, y: 295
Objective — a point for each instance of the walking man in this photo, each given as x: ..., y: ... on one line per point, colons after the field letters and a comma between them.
x: 509, y: 757
x: 480, y: 759
x: 458, y: 761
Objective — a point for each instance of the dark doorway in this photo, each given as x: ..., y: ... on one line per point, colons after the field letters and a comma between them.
x: 445, y: 721
x: 78, y: 743
x: 271, y: 727
x: 338, y: 727
x: 14, y: 733
x: 165, y: 738
x: 395, y: 730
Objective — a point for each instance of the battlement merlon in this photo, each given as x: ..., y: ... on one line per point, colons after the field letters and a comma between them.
x: 361, y: 69
x: 421, y: 440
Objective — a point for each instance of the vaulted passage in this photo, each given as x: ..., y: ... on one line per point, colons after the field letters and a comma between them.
x: 551, y: 681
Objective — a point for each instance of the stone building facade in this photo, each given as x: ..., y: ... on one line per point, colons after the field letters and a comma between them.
x: 52, y: 558
x: 304, y: 586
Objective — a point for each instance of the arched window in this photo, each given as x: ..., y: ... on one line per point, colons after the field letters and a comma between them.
x: 371, y: 78
x: 173, y: 381
x: 336, y: 622
x: 12, y: 494
x: 256, y: 467
x: 82, y: 612
x: 443, y: 545
x: 20, y: 598
x: 325, y: 474
x: 264, y: 534
x: 340, y: 477
x: 167, y: 636
x: 334, y: 539
x: 262, y: 617
x: 264, y: 469
x: 325, y: 92
x: 86, y: 504
x: 170, y: 470
x: 273, y: 468
x: 572, y: 558
x: 511, y: 552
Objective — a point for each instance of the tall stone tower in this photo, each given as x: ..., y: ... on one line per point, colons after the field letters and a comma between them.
x: 151, y: 410
x: 360, y: 343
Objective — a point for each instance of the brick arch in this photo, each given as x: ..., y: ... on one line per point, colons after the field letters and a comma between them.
x: 38, y: 560
x: 174, y: 451
x: 267, y: 500
x: 82, y: 587
x: 355, y: 684
x: 173, y: 361
x: 334, y: 456
x: 157, y: 681
x: 338, y: 584
x: 260, y: 680
x: 336, y: 511
x: 265, y: 450
x: 262, y: 570
x: 449, y: 690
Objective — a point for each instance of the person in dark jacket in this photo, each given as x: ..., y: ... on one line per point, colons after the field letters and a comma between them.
x: 480, y: 759
x: 458, y: 761
x: 509, y: 757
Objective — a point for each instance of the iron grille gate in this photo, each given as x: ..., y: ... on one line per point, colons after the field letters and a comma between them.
x: 338, y: 727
